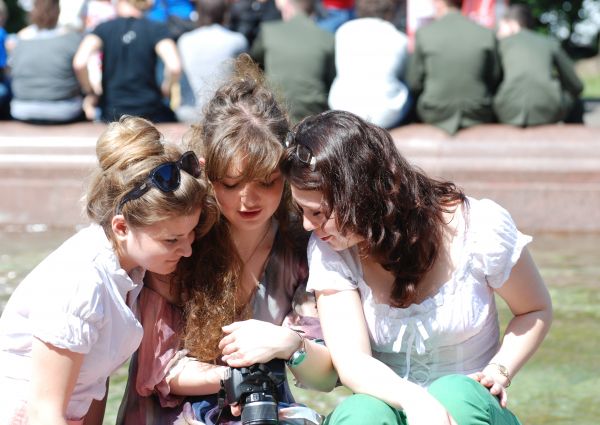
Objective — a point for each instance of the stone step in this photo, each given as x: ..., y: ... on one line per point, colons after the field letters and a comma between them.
x: 548, y: 177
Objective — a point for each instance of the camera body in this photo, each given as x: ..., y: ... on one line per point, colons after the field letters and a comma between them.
x: 255, y: 389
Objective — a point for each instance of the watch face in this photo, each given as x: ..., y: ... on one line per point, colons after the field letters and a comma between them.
x: 297, y: 358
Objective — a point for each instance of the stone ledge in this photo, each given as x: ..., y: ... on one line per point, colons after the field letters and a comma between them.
x: 548, y: 177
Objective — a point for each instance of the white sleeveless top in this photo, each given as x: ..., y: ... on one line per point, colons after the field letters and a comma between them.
x: 454, y: 331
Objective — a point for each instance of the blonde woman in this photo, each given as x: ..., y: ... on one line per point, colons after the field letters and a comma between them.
x: 69, y: 325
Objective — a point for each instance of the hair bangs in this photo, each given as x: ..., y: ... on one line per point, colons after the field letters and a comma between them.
x: 254, y: 156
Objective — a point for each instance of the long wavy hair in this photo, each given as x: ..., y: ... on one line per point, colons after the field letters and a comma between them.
x: 243, y: 121
x: 375, y: 193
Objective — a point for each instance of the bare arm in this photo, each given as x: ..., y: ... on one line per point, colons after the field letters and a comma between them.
x: 346, y: 334
x: 255, y: 341
x: 197, y: 378
x: 54, y: 374
x: 89, y: 45
x: 166, y: 49
x: 529, y: 301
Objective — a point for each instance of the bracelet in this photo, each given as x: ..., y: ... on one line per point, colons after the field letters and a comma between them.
x: 502, y: 370
x: 299, y: 355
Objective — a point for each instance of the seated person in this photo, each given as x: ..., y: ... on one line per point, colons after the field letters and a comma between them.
x: 454, y: 70
x: 540, y: 85
x: 44, y: 85
x: 130, y: 45
x: 206, y: 55
x: 298, y: 58
x: 370, y: 57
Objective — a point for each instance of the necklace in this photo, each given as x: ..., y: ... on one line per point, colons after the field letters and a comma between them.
x: 262, y: 239
x: 239, y: 285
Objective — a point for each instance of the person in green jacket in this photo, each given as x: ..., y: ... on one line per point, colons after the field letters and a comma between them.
x: 297, y: 57
x: 540, y: 85
x: 454, y: 70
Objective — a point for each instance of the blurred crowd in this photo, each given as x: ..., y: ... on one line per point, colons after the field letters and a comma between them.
x: 162, y: 59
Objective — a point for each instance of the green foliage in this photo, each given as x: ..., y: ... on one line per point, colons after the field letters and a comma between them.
x: 591, y: 87
x: 552, y: 14
x: 567, y: 12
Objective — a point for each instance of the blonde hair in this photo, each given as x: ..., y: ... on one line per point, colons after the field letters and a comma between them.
x: 127, y: 152
x: 243, y: 123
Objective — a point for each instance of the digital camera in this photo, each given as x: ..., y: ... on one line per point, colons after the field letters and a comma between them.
x: 255, y: 389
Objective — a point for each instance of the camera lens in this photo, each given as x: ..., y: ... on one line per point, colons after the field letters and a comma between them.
x: 260, y: 409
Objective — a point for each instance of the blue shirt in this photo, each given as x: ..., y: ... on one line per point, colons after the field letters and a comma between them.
x: 2, y: 48
x: 162, y: 9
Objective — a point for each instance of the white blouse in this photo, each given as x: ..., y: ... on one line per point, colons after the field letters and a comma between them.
x: 454, y: 331
x: 74, y: 299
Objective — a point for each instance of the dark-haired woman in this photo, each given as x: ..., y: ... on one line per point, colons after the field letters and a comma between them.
x: 405, y: 269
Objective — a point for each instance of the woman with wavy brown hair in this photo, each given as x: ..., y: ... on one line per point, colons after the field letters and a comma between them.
x: 246, y: 277
x: 405, y: 269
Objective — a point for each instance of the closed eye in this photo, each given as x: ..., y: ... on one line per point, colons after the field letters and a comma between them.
x: 267, y: 183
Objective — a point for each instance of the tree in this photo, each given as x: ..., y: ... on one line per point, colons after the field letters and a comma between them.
x: 561, y: 18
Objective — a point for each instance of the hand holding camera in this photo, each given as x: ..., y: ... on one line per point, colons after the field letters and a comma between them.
x: 255, y: 389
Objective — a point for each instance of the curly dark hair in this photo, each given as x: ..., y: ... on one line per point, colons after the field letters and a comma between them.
x: 375, y: 193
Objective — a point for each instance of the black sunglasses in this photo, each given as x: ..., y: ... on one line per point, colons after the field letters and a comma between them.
x: 165, y: 177
x: 302, y: 152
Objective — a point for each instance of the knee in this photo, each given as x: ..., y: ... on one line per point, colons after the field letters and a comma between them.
x: 454, y: 384
x: 363, y: 409
x: 469, y: 402
x: 453, y: 390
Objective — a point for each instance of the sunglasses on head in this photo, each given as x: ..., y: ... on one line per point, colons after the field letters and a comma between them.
x: 165, y: 177
x: 302, y: 152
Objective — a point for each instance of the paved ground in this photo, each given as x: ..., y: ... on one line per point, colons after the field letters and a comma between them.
x: 548, y: 176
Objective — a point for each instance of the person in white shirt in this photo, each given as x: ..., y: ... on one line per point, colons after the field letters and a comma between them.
x: 405, y: 269
x: 207, y: 55
x: 69, y: 323
x: 370, y: 60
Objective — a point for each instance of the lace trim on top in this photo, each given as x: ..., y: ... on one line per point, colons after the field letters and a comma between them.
x: 414, y: 332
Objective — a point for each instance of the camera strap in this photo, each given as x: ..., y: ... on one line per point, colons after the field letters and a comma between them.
x: 221, y: 402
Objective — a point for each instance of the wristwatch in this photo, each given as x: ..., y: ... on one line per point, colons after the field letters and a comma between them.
x: 299, y: 355
x: 297, y: 358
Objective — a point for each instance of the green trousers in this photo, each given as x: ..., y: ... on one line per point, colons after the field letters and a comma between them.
x: 469, y: 403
